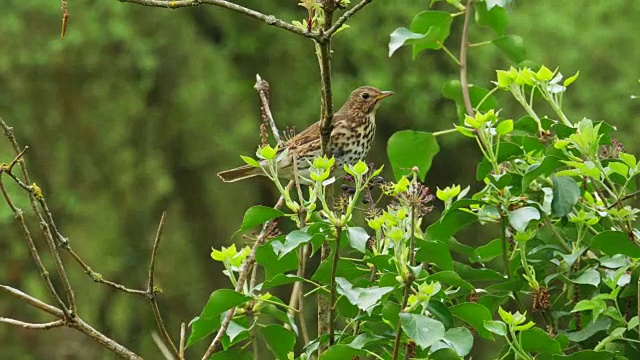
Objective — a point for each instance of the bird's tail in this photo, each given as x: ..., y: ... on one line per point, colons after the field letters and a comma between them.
x: 239, y: 173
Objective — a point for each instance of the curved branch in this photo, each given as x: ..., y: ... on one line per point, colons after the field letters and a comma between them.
x: 269, y: 19
x: 343, y: 19
x: 32, y: 326
x: 33, y: 301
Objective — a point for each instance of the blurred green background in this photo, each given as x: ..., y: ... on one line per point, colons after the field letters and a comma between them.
x: 138, y: 108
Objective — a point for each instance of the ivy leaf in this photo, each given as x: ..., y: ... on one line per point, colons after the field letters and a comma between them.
x: 589, y: 277
x: 274, y: 265
x: 435, y: 25
x: 219, y: 301
x: 497, y: 327
x: 495, y: 17
x: 435, y: 252
x: 421, y: 329
x: 459, y: 339
x: 409, y: 148
x: 591, y: 329
x: 257, y: 215
x: 475, y: 315
x: 500, y: 3
x: 548, y: 165
x: 341, y: 351
x: 279, y: 340
x: 512, y: 47
x: 615, y: 242
x: 537, y: 340
x: 232, y: 354
x: 565, y: 195
x: 488, y: 252
x: 364, y: 298
x: 292, y: 241
x: 358, y: 238
x: 402, y: 36
x: 521, y: 217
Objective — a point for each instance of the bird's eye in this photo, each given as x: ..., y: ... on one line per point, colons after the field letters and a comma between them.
x: 364, y: 95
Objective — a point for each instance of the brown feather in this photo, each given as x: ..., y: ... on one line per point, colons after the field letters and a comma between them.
x: 239, y: 173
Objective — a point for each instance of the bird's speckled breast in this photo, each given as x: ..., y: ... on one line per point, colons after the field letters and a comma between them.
x: 350, y: 144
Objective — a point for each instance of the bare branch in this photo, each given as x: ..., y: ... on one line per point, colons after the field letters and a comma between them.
x: 343, y: 19
x: 9, y: 167
x: 464, y: 83
x: 162, y: 346
x: 103, y: 340
x: 32, y: 326
x: 323, y: 52
x: 269, y: 19
x: 151, y: 291
x: 97, y: 277
x: 26, y: 234
x: 242, y: 277
x: 33, y: 301
x: 262, y: 87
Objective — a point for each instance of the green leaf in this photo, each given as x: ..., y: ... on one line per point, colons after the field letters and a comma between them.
x: 435, y: 252
x: 548, y: 165
x: 341, y: 351
x: 409, y: 148
x: 615, y: 242
x: 588, y: 355
x: 488, y: 252
x: 450, y: 278
x: 504, y: 127
x: 444, y: 353
x: 452, y: 221
x: 602, y: 323
x: 421, y: 329
x: 364, y: 298
x: 565, y: 195
x: 278, y: 339
x: 435, y: 25
x: 209, y: 320
x: 501, y: 3
x: 571, y: 79
x: 292, y: 241
x: 459, y: 339
x: 358, y: 238
x: 496, y: 18
x: 537, y: 340
x: 235, y: 329
x: 441, y: 313
x: 507, y: 150
x: 279, y: 280
x: 475, y: 315
x: 497, y: 327
x: 274, y: 265
x: 402, y: 36
x: 521, y: 217
x: 257, y: 215
x: 512, y: 47
x: 589, y: 277
x: 232, y: 354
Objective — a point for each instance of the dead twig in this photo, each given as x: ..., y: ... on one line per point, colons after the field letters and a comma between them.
x: 32, y: 326
x: 262, y: 87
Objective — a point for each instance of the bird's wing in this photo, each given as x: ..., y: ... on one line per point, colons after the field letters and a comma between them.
x: 308, y: 135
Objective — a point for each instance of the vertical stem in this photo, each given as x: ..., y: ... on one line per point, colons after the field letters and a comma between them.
x: 332, y: 294
x: 464, y: 83
x: 323, y: 50
x: 405, y: 299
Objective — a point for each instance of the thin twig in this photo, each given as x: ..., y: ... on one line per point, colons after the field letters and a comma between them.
x: 262, y: 87
x: 100, y: 338
x: 242, y: 277
x: 33, y: 301
x: 405, y: 300
x: 269, y: 19
x: 26, y: 234
x: 32, y: 326
x: 343, y: 19
x: 97, y: 277
x: 152, y: 291
x: 464, y: 83
x: 18, y: 157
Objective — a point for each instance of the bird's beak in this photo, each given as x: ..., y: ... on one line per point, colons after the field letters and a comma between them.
x: 384, y: 94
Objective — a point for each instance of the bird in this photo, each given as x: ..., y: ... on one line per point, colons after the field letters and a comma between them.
x: 354, y: 127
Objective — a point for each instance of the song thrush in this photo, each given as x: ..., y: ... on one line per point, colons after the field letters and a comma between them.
x: 353, y: 129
